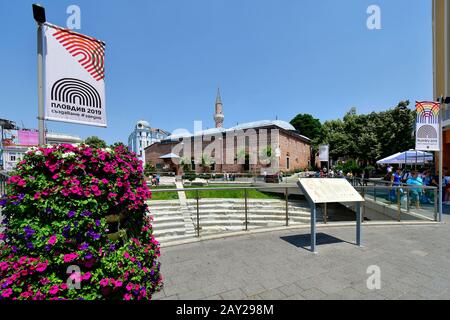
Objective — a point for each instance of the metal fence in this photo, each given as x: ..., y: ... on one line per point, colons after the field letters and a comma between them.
x: 402, y: 200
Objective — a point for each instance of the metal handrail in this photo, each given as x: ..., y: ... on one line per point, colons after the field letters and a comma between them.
x: 285, y: 188
x: 222, y: 188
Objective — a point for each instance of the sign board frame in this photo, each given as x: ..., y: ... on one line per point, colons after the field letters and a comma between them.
x: 307, y: 186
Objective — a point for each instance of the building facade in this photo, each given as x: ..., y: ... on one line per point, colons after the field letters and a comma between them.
x: 15, y: 142
x: 441, y: 68
x: 255, y: 148
x: 143, y: 136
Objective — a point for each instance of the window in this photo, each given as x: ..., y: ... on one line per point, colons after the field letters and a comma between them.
x: 287, y: 163
x: 12, y: 157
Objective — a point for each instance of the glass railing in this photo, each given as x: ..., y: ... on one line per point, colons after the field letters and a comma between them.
x: 222, y: 209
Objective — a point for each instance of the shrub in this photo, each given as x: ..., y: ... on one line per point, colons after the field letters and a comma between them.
x: 81, y: 209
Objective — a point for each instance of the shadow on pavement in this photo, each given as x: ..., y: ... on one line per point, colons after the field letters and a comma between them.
x: 304, y: 240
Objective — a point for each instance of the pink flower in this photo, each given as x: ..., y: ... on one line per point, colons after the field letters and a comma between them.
x: 86, y: 276
x: 126, y: 255
x: 127, y: 296
x: 118, y: 283
x: 3, y: 265
x: 129, y: 287
x: 56, y: 176
x: 52, y: 240
x: 69, y: 257
x: 104, y: 282
x: 53, y: 290
x: 63, y: 286
x: 41, y: 267
x: 94, y: 188
x: 22, y: 260
x: 7, y: 293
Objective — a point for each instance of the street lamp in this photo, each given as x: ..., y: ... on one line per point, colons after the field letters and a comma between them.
x: 39, y: 13
x: 39, y: 16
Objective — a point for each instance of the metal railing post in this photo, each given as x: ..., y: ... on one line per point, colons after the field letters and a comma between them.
x: 436, y: 204
x: 363, y: 211
x: 246, y: 210
x: 399, y: 205
x: 325, y: 213
x: 407, y: 199
x: 287, y: 207
x: 374, y: 193
x: 198, y: 214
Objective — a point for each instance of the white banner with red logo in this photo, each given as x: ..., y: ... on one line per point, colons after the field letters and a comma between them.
x: 74, y: 77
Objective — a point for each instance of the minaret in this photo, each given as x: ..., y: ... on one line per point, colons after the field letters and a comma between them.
x: 218, y: 116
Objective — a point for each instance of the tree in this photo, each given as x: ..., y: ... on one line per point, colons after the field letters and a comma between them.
x: 149, y: 168
x: 307, y: 125
x: 367, y: 138
x: 95, y: 142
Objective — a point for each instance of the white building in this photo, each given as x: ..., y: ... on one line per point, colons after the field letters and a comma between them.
x: 143, y: 136
x: 14, y: 154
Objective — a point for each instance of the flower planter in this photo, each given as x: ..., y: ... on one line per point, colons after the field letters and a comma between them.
x: 121, y: 234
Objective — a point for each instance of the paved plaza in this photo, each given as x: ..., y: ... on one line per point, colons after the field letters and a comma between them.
x: 414, y: 261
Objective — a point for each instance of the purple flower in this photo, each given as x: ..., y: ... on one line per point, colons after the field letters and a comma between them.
x: 29, y: 245
x: 93, y: 235
x: 112, y: 247
x: 88, y: 256
x: 48, y: 210
x: 21, y: 196
x: 3, y: 202
x: 71, y: 214
x: 28, y: 231
x: 97, y: 223
x: 48, y: 247
x: 84, y: 246
x: 86, y: 213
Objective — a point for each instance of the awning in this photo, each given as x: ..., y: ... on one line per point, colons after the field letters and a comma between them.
x: 408, y: 157
x: 170, y: 156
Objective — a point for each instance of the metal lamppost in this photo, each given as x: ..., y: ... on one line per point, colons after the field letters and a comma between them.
x: 39, y: 16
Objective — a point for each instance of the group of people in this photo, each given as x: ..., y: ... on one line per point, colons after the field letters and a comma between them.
x: 417, y: 194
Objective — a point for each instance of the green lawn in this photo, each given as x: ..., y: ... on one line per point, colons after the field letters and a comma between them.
x: 230, y: 194
x: 221, y: 194
x: 163, y: 195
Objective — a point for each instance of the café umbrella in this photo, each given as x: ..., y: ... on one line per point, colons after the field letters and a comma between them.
x: 408, y: 157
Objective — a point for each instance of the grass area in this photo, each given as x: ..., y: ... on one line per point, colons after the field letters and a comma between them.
x: 163, y: 195
x: 231, y: 194
x: 221, y: 194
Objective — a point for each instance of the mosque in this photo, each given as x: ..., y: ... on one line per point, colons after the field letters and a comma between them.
x: 266, y: 146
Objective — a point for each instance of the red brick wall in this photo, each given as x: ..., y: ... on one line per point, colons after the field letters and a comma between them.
x: 298, y: 151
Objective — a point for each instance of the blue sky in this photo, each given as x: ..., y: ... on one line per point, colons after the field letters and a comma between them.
x: 166, y: 58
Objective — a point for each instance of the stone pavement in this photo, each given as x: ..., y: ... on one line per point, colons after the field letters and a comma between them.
x: 414, y: 262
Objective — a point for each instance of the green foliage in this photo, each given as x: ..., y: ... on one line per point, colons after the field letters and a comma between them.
x: 95, y: 142
x: 149, y: 168
x: 368, y: 138
x: 308, y: 126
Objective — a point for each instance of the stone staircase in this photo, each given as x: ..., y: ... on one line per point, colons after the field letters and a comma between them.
x: 173, y: 221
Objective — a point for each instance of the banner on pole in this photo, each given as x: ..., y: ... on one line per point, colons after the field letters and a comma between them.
x: 74, y: 77
x: 324, y: 153
x: 427, y: 126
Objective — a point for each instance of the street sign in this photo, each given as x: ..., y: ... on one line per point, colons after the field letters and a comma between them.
x: 324, y: 153
x: 330, y: 190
